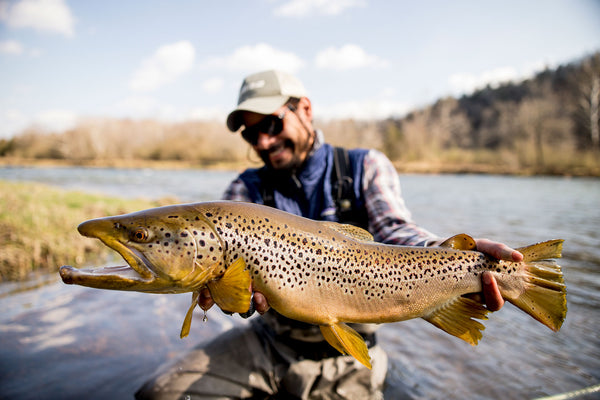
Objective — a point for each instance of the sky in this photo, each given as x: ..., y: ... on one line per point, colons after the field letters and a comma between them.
x: 62, y: 61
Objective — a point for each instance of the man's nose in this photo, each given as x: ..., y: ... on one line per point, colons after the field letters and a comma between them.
x: 264, y: 141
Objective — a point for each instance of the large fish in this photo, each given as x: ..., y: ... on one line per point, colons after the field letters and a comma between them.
x: 318, y: 272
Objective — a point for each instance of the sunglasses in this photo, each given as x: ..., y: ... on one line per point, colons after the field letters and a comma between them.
x: 272, y: 125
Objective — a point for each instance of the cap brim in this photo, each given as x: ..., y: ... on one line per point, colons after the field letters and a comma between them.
x: 259, y: 105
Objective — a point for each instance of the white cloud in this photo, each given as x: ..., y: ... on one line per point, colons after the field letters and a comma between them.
x: 303, y: 8
x: 56, y: 120
x: 213, y: 85
x: 12, y: 121
x: 468, y: 83
x: 349, y: 56
x: 11, y: 47
x: 207, y: 113
x: 258, y: 57
x: 137, y: 106
x: 167, y: 64
x: 364, y: 110
x: 52, y: 16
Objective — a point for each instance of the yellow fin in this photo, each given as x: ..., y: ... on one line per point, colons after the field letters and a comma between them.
x: 461, y: 241
x: 187, y: 322
x: 231, y: 292
x: 347, y: 341
x: 545, y: 294
x: 456, y: 318
x: 350, y: 230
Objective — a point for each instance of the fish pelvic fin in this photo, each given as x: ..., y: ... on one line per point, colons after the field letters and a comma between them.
x: 461, y: 241
x: 232, y: 292
x: 544, y: 294
x: 457, y: 317
x: 187, y: 321
x: 347, y: 341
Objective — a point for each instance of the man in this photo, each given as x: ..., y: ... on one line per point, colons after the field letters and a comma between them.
x: 274, y: 356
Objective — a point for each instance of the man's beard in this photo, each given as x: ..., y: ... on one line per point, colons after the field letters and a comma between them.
x: 295, y: 163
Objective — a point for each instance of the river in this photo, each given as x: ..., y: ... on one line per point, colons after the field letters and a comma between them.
x: 71, y: 342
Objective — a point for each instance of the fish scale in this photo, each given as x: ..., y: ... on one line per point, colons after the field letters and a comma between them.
x: 317, y: 272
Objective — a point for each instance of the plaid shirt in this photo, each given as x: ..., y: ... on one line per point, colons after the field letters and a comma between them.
x: 389, y: 219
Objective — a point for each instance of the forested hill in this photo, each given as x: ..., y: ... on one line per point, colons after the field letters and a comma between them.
x: 547, y: 124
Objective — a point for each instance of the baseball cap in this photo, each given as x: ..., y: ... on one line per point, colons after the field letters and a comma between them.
x: 264, y: 93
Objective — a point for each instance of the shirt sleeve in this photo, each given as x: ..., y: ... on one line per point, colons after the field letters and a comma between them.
x: 237, y: 191
x: 390, y: 220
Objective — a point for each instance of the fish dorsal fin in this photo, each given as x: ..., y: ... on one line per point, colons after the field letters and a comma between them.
x: 347, y: 341
x: 456, y: 318
x: 187, y: 322
x: 350, y: 230
x: 231, y: 292
x: 461, y: 241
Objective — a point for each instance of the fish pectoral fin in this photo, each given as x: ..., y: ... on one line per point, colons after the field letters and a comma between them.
x: 456, y: 318
x: 461, y: 241
x: 232, y: 292
x: 352, y: 231
x: 187, y: 321
x: 347, y: 341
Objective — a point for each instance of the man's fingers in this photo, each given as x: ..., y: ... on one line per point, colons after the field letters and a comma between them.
x: 205, y: 301
x: 498, y: 250
x: 491, y: 293
x: 260, y: 303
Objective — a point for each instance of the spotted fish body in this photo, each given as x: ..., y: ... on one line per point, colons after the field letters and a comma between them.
x: 318, y: 272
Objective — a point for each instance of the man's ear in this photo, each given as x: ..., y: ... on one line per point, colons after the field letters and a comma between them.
x: 305, y: 107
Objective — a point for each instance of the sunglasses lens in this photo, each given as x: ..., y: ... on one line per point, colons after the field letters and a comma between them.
x: 272, y: 125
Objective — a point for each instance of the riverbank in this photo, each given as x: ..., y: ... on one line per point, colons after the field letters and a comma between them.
x: 38, y: 227
x: 455, y: 165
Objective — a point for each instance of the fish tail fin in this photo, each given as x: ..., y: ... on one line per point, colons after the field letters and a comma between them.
x: 347, y: 341
x: 544, y: 291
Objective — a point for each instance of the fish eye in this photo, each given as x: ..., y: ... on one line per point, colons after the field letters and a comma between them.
x: 139, y: 235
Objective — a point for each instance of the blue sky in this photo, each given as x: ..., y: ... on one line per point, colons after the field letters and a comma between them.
x: 64, y: 60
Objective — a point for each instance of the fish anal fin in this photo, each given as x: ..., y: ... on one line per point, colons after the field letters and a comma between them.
x: 187, y: 321
x: 352, y: 231
x: 231, y: 292
x: 347, y: 341
x: 461, y: 241
x: 457, y: 318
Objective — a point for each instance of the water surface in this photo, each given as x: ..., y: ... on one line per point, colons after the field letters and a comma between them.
x: 75, y: 342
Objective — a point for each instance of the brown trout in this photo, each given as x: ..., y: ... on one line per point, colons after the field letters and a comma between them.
x: 322, y: 273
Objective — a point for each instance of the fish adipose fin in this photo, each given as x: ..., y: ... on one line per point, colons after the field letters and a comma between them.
x: 545, y: 295
x: 347, y: 341
x: 231, y: 292
x: 456, y: 318
x: 187, y: 322
x: 460, y: 242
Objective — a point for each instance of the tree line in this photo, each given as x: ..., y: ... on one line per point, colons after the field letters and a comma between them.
x: 546, y: 124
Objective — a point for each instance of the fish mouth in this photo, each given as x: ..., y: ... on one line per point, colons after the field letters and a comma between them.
x: 137, y: 275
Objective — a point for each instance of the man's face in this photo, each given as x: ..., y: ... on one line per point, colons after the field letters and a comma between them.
x: 289, y: 148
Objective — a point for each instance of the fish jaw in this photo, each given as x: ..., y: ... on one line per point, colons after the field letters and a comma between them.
x: 147, y: 243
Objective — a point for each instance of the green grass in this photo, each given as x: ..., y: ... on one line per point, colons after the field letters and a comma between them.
x: 38, y: 227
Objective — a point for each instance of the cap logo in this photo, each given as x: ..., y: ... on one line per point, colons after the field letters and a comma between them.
x: 252, y: 86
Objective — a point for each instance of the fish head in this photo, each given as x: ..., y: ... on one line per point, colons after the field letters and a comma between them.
x: 169, y: 249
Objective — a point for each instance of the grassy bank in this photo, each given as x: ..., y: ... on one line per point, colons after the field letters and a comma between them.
x: 38, y: 227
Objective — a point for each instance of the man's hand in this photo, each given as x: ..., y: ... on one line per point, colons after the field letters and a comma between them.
x: 205, y: 301
x: 491, y: 294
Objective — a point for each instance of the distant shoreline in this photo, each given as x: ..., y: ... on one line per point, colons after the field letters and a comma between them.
x: 413, y: 167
